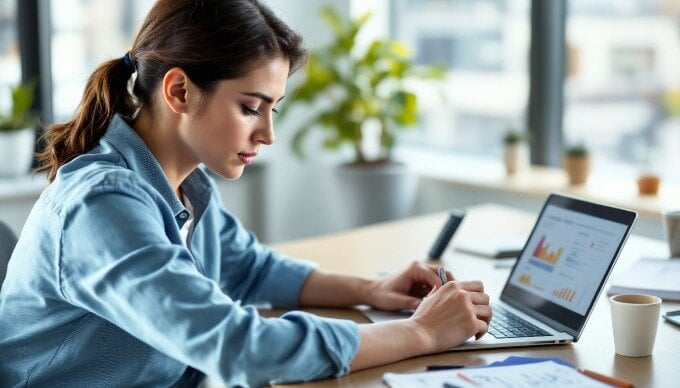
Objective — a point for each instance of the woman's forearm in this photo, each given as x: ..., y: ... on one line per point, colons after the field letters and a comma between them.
x: 323, y: 289
x: 387, y: 342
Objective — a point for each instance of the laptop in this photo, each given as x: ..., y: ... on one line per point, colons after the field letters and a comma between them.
x: 558, y: 276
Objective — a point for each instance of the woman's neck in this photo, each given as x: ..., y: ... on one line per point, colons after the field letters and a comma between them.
x: 160, y: 134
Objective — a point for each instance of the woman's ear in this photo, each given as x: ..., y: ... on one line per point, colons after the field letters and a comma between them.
x: 177, y: 90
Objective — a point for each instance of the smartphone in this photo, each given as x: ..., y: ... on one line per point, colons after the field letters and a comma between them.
x: 455, y: 218
x: 673, y: 317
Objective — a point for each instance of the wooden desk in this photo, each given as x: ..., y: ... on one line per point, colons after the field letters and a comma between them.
x: 390, y: 246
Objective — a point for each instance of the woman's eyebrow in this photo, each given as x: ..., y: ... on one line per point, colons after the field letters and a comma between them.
x: 261, y: 96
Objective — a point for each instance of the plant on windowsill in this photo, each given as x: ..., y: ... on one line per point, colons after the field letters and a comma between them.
x: 515, y: 151
x: 360, y: 103
x: 17, y: 132
x: 577, y: 163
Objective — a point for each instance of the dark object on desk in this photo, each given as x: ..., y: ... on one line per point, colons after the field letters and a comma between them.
x: 455, y: 218
x: 673, y: 317
x: 430, y: 368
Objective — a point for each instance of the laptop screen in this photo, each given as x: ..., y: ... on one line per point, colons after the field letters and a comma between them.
x: 567, y: 258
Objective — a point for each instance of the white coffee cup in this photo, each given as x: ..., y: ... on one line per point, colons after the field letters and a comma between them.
x: 635, y: 318
x: 671, y: 222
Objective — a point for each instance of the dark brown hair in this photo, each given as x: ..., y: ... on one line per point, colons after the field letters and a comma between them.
x: 211, y: 40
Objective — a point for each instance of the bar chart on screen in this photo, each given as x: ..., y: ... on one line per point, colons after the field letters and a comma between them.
x: 565, y: 257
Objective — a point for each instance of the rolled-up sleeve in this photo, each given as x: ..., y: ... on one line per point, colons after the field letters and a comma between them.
x: 117, y: 262
x: 253, y: 273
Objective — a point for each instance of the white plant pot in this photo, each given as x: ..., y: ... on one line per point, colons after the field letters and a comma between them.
x: 369, y: 194
x: 516, y: 157
x: 16, y: 152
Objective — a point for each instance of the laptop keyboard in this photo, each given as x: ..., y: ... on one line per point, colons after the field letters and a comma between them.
x: 505, y: 324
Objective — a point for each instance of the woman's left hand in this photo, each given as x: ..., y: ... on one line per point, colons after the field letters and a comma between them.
x: 406, y: 289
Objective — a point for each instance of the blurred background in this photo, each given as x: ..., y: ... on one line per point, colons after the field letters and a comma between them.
x: 616, y: 91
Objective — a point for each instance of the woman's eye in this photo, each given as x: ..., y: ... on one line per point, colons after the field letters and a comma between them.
x: 250, y: 112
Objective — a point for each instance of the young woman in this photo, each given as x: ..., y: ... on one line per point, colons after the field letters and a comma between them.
x: 129, y: 272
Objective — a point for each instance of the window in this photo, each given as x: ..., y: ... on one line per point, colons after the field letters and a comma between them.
x: 622, y: 84
x: 10, y: 65
x: 86, y: 33
x: 485, y: 46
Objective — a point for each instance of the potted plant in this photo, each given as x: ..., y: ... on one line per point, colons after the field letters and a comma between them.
x: 361, y: 103
x: 17, y: 132
x: 577, y: 164
x: 515, y: 151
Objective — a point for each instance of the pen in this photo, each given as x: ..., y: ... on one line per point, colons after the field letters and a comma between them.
x: 430, y: 368
x: 606, y: 379
x: 467, y: 378
x: 442, y: 275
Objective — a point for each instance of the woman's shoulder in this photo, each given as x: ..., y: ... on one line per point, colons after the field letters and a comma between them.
x: 72, y: 186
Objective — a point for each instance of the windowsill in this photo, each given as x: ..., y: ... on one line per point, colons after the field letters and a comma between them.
x: 538, y: 182
x: 23, y: 187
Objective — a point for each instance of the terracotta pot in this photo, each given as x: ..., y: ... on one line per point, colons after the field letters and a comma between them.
x: 578, y: 168
x: 648, y: 184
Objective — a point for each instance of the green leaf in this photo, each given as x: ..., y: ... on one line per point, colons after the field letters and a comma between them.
x: 353, y: 86
x: 332, y: 18
x: 20, y: 112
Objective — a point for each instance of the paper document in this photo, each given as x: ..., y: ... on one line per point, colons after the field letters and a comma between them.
x: 659, y: 277
x: 494, y: 247
x: 535, y: 375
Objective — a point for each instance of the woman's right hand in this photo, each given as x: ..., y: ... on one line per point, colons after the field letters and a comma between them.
x: 453, y: 313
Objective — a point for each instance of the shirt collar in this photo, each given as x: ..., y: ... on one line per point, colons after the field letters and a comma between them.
x: 139, y: 159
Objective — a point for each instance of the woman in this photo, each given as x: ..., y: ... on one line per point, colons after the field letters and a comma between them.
x: 128, y: 271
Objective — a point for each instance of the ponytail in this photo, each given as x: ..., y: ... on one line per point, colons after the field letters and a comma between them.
x: 211, y: 40
x: 105, y: 94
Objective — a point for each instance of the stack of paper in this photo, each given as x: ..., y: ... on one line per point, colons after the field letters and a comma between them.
x: 535, y: 374
x: 659, y: 277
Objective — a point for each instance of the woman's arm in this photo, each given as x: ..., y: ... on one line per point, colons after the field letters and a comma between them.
x: 445, y: 316
x: 403, y: 290
x: 445, y: 319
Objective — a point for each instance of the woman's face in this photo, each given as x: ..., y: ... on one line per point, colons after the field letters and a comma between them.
x: 237, y: 119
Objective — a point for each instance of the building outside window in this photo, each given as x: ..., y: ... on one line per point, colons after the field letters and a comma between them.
x: 622, y: 84
x: 484, y: 45
x: 86, y: 33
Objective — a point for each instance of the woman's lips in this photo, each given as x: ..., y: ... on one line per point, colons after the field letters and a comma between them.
x: 247, y: 157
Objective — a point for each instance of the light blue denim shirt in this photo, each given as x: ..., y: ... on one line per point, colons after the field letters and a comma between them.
x: 101, y: 290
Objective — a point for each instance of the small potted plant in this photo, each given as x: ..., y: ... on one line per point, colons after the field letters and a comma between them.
x: 577, y: 164
x: 515, y: 151
x: 17, y: 132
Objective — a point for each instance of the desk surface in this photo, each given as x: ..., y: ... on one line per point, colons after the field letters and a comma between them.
x: 390, y: 246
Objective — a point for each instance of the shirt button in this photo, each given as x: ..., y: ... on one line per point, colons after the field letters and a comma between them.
x: 182, y: 215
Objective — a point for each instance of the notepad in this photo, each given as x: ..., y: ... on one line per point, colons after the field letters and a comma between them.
x: 658, y: 277
x: 539, y: 374
x: 494, y: 247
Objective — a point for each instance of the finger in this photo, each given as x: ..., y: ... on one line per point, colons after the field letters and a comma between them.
x: 482, y: 328
x: 469, y: 285
x: 432, y: 291
x: 401, y: 302
x: 479, y: 298
x: 425, y: 273
x: 435, y: 270
x: 483, y: 313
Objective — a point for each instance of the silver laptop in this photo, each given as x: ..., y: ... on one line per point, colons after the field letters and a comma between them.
x: 558, y: 277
